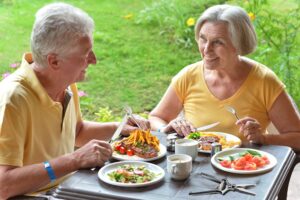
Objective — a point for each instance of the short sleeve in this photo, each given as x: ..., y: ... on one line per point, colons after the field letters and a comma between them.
x: 273, y: 87
x: 12, y: 135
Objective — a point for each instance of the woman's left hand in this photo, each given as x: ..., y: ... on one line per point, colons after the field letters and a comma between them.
x: 138, y: 121
x: 251, y: 129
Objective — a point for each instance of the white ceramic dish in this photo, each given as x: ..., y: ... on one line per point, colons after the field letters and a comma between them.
x: 268, y: 167
x: 103, y: 173
x: 161, y: 153
x: 229, y: 137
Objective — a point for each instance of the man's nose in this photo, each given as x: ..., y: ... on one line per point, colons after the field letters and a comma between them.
x: 92, y: 58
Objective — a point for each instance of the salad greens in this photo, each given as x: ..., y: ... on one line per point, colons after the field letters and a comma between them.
x: 132, y: 174
x: 235, y: 156
x: 194, y: 136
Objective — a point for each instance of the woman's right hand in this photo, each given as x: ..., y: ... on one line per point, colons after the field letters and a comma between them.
x: 179, y: 125
x: 94, y: 153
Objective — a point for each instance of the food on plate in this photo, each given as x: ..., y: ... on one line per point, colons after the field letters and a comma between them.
x: 140, y: 143
x: 205, y: 140
x: 132, y: 174
x: 246, y: 160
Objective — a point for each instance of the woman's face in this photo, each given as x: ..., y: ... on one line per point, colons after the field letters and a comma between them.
x: 215, y: 45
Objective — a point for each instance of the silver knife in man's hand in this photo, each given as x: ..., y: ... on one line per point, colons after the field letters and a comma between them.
x: 117, y: 133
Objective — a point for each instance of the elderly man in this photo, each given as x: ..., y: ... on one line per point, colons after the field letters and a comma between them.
x: 40, y: 121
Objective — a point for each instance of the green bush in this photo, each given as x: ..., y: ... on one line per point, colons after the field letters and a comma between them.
x: 278, y: 42
x: 175, y: 18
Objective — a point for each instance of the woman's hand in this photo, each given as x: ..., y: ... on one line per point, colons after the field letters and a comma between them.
x: 251, y: 129
x: 132, y: 124
x: 179, y: 125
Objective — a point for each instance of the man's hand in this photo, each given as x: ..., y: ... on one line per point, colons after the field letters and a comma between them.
x: 94, y: 153
x: 251, y: 129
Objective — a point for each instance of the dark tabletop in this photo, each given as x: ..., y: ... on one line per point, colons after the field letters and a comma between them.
x: 85, y: 184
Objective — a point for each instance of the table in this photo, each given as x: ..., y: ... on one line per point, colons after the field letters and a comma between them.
x: 84, y: 184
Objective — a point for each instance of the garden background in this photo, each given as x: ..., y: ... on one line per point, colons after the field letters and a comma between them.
x: 141, y: 44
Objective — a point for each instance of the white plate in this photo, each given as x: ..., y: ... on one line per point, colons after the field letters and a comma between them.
x: 102, y: 174
x: 161, y: 153
x: 229, y: 137
x: 215, y: 162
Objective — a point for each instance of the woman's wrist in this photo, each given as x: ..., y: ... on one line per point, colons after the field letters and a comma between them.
x: 161, y: 129
x: 263, y: 139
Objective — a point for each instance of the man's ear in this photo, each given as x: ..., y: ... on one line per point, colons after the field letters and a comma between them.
x: 53, y: 61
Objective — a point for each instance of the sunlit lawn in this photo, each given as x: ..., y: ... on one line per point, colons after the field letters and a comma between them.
x: 135, y: 62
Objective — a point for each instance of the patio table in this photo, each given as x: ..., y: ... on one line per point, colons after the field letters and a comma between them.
x: 85, y: 184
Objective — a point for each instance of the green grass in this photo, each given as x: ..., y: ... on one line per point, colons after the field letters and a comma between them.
x: 135, y: 62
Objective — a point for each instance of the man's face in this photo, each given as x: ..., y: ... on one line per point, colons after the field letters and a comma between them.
x: 73, y: 66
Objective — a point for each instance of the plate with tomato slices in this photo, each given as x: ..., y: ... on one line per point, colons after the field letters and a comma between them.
x: 244, y: 161
x: 121, y: 153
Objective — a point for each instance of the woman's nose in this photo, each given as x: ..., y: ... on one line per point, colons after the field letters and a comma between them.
x: 207, y: 47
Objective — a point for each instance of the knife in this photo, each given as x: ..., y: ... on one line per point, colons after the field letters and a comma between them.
x: 202, y: 128
x: 117, y: 133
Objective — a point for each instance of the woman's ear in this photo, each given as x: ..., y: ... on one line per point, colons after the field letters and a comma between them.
x: 53, y: 61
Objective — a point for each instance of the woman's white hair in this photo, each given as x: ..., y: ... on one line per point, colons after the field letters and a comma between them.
x: 56, y: 29
x: 241, y: 30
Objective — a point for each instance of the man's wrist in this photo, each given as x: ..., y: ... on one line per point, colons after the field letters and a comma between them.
x: 50, y: 171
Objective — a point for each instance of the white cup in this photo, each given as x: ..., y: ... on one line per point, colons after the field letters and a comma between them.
x: 187, y: 146
x: 179, y: 166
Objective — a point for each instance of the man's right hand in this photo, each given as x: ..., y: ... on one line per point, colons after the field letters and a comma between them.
x: 94, y: 153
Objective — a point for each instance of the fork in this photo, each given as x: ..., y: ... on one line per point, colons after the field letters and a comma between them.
x: 128, y: 110
x: 233, y: 111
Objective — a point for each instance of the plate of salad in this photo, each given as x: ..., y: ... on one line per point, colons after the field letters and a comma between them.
x: 244, y: 161
x: 131, y: 174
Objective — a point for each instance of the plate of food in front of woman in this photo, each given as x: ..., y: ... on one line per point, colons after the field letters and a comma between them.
x: 140, y: 146
x: 205, y: 139
x: 244, y: 161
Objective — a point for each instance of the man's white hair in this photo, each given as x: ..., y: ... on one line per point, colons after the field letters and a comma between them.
x: 56, y: 29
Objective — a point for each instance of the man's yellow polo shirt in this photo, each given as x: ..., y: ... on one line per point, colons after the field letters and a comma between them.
x: 32, y: 126
x: 254, y: 98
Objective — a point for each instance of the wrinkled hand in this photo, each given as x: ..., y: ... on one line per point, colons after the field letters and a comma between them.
x: 94, y: 153
x: 251, y: 129
x: 131, y: 124
x: 180, y: 125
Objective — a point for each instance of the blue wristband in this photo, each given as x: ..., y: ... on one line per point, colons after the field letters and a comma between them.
x: 50, y: 171
x: 159, y: 129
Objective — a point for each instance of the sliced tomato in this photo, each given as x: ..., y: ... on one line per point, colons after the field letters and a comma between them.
x: 250, y: 166
x: 266, y: 159
x: 248, y: 157
x: 259, y: 161
x: 237, y: 167
x: 122, y: 150
x: 240, y: 161
x: 117, y: 147
x: 226, y: 163
x: 130, y: 152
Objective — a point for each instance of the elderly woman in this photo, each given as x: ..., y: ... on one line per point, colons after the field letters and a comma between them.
x: 224, y: 77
